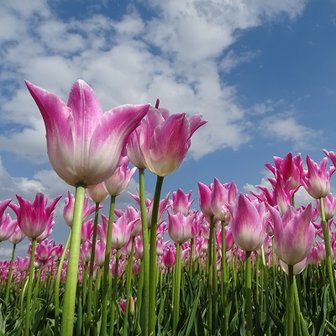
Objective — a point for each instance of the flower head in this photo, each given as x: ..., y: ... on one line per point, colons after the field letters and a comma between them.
x: 33, y: 217
x: 248, y: 223
x: 84, y: 144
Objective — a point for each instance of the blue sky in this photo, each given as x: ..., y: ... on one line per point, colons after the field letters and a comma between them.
x: 261, y: 72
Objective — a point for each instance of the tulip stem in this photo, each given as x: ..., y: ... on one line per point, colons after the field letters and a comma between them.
x: 72, y: 270
x: 290, y: 301
x: 152, y: 256
x: 176, y: 289
x: 329, y: 264
x: 30, y: 288
x: 9, y: 280
x: 224, y: 282
x: 114, y: 291
x: 248, y: 294
x: 57, y: 283
x: 105, y: 282
x: 91, y: 267
x: 145, y: 259
x: 210, y: 274
x: 128, y: 287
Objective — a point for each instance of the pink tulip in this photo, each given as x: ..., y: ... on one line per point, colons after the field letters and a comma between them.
x: 121, y: 231
x: 98, y: 192
x: 44, y: 250
x: 204, y: 193
x: 47, y: 231
x: 165, y: 139
x: 289, y: 169
x: 69, y: 209
x: 181, y: 202
x: 7, y: 226
x: 294, y: 234
x: 33, y: 218
x: 17, y: 236
x: 248, y: 223
x: 85, y: 251
x: 180, y: 227
x: 169, y: 255
x: 329, y: 206
x: 84, y: 144
x: 331, y: 155
x: 316, y: 179
x: 3, y: 205
x: 87, y: 230
x: 119, y: 180
x: 222, y: 195
x: 228, y: 238
x: 100, y: 252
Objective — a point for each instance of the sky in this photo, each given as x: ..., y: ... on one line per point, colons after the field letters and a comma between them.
x: 261, y: 72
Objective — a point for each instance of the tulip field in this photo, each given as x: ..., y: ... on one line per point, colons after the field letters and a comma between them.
x: 213, y: 262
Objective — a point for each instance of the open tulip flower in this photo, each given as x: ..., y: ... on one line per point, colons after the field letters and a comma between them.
x: 84, y: 144
x: 34, y: 217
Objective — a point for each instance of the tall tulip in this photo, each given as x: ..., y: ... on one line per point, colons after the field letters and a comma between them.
x: 84, y: 145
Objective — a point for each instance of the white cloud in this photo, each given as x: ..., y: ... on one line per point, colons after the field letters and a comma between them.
x: 287, y: 128
x: 117, y: 59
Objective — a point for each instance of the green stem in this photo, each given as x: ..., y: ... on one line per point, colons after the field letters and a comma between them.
x: 92, y: 261
x: 210, y: 275
x: 329, y: 263
x: 129, y: 275
x: 58, y: 282
x: 9, y: 280
x: 224, y: 282
x: 152, y: 257
x: 145, y: 258
x: 72, y: 271
x: 114, y: 292
x: 105, y: 282
x: 290, y: 302
x: 30, y: 288
x: 176, y: 289
x: 248, y: 294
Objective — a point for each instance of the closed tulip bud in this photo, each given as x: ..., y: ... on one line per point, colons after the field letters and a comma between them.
x: 180, y: 227
x: 248, y: 223
x: 97, y: 192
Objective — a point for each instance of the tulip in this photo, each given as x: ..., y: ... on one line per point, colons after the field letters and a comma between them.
x: 119, y: 180
x: 248, y: 223
x: 33, y: 218
x: 17, y: 236
x: 290, y: 169
x: 294, y: 234
x: 68, y: 211
x: 204, y: 193
x: 180, y: 227
x: 84, y: 144
x: 222, y: 195
x: 181, y: 202
x: 166, y: 139
x: 98, y: 192
x: 329, y: 206
x: 316, y: 179
x: 7, y: 227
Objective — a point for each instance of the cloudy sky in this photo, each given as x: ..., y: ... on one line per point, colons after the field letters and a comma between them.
x: 261, y: 72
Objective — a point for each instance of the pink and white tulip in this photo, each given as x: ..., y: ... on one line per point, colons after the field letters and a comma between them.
x: 248, y: 223
x: 84, y: 144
